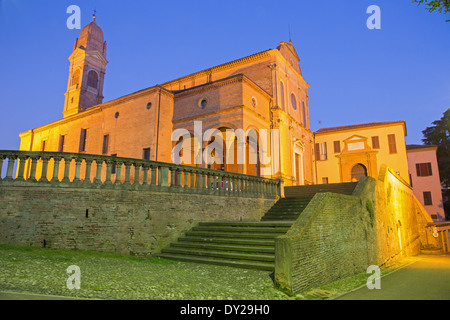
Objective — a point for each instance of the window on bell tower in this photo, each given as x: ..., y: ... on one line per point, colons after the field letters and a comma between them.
x: 92, y: 79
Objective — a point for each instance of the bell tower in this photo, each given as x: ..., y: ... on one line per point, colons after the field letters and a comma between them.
x: 87, y: 71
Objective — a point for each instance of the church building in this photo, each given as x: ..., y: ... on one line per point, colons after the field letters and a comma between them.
x: 264, y: 93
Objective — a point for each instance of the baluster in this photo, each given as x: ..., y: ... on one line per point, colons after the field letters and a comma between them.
x: 10, y: 168
x: 109, y: 164
x: 172, y: 177
x: 118, y: 173
x: 127, y: 173
x: 153, y: 177
x: 87, y: 172
x: 2, y: 157
x: 186, y: 178
x: 66, y: 169
x: 98, y: 172
x: 136, y: 174
x: 77, y: 169
x: 34, y: 160
x: 21, y: 169
x: 56, y: 163
x: 198, y: 178
x: 145, y: 170
x: 163, y: 176
x: 178, y: 172
x: 44, y: 169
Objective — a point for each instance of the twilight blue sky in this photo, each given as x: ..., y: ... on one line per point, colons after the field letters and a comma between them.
x: 357, y: 75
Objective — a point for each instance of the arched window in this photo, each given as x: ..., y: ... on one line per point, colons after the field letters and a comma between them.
x: 92, y: 79
x: 281, y: 95
x: 358, y: 171
x: 76, y: 77
x: 293, y: 101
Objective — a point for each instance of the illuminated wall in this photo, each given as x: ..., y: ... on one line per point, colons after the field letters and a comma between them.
x: 365, y: 144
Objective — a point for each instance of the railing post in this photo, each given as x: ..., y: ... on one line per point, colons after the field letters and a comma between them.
x: 127, y: 173
x: 98, y: 172
x: 109, y: 164
x: 280, y: 188
x: 77, y: 169
x: 163, y: 176
x: 136, y: 174
x: 10, y: 168
x: 87, y: 172
x: 56, y: 162
x: 44, y: 168
x: 2, y: 157
x: 67, y: 162
x: 153, y: 177
x: 34, y: 159
x: 21, y: 168
x: 145, y: 174
x: 118, y: 180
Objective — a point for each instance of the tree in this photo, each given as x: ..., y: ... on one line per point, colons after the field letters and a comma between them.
x: 442, y: 6
x: 439, y: 135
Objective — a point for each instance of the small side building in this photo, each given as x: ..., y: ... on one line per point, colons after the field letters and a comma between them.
x: 347, y: 153
x: 425, y: 180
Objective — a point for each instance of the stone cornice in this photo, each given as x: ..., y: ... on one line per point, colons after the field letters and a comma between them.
x: 220, y: 83
x: 230, y: 64
x: 101, y: 107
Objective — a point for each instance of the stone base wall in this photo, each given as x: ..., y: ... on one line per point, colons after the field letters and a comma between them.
x: 117, y: 221
x: 339, y: 235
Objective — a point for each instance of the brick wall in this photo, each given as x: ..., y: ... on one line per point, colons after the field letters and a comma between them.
x: 117, y: 221
x: 340, y: 235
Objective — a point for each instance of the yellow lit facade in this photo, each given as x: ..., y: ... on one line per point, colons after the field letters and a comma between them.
x: 344, y: 154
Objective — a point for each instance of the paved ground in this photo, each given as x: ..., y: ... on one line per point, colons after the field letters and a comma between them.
x: 426, y: 279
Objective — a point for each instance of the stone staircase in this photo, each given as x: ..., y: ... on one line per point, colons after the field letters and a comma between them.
x: 247, y: 244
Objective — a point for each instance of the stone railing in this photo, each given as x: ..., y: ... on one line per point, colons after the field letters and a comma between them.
x: 78, y: 170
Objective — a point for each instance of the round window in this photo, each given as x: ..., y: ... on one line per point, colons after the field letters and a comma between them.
x: 149, y: 105
x: 203, y: 103
x: 116, y: 115
x: 293, y: 102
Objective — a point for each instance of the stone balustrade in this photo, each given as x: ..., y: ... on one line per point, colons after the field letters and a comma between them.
x: 78, y: 170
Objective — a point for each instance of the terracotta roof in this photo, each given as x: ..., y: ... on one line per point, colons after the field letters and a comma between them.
x: 419, y: 146
x: 357, y: 126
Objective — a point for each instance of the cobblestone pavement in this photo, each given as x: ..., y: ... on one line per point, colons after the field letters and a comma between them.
x: 106, y: 276
x: 25, y: 271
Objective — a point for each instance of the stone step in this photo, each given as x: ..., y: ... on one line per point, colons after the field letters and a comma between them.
x: 268, y: 266
x: 220, y: 254
x: 211, y: 234
x: 232, y: 241
x: 247, y: 224
x: 225, y: 247
x: 241, y: 229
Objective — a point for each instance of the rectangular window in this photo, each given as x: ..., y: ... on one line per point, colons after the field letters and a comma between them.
x: 105, y: 144
x: 375, y: 142
x: 392, y: 144
x: 43, y: 145
x: 62, y: 139
x: 424, y: 169
x: 325, y: 180
x: 337, y: 147
x: 427, y: 201
x: 323, y: 151
x: 317, y: 151
x: 83, y: 137
x: 146, y: 154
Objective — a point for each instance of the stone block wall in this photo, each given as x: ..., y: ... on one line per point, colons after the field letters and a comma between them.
x: 340, y: 235
x: 117, y: 221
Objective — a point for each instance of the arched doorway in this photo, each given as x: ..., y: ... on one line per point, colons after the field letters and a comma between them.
x: 358, y: 171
